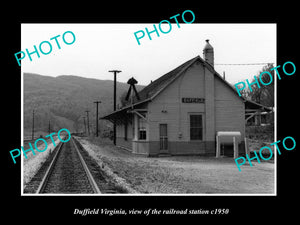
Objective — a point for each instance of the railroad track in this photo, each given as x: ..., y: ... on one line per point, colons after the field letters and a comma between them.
x: 68, y: 173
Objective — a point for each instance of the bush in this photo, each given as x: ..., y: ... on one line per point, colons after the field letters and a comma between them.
x: 264, y: 133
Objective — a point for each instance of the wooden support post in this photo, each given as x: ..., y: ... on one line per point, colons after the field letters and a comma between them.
x: 235, y: 148
x: 218, y: 147
x: 247, y: 147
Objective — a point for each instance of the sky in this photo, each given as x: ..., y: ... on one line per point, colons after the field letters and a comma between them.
x: 99, y: 48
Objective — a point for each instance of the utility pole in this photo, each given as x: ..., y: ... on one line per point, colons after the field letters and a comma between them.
x: 49, y: 128
x: 115, y: 98
x: 32, y: 134
x: 97, y: 102
x: 84, y: 125
x: 88, y: 124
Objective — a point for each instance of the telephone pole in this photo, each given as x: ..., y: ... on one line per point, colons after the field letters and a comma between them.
x: 115, y: 98
x: 84, y: 125
x: 49, y: 128
x: 88, y: 124
x: 97, y: 102
x: 32, y: 131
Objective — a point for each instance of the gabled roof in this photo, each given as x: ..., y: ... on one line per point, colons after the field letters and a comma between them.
x: 157, y: 86
x: 154, y: 88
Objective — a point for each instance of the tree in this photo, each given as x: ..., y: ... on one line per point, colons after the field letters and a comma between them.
x: 265, y: 94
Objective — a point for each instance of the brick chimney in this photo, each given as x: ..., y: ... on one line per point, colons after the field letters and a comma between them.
x: 208, y: 53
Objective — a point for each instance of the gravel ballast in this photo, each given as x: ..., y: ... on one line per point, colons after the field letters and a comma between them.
x: 180, y: 174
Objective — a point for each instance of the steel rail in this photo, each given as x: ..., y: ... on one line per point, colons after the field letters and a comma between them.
x: 87, y: 171
x: 49, y: 170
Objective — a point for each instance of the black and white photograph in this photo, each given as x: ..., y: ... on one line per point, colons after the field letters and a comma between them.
x: 149, y: 111
x: 159, y: 116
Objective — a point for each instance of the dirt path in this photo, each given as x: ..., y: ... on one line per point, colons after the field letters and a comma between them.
x: 184, y: 174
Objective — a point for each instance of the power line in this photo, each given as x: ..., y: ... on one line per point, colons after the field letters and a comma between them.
x: 84, y: 125
x: 88, y: 123
x: 115, y: 100
x: 97, y: 102
x: 241, y: 64
x: 32, y: 130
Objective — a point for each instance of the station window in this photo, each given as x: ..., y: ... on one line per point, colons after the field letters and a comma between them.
x: 142, y: 132
x: 196, y: 127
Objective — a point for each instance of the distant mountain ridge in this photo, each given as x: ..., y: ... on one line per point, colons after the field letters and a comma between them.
x: 63, y: 100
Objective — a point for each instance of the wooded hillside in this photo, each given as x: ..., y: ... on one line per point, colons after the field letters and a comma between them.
x: 63, y: 101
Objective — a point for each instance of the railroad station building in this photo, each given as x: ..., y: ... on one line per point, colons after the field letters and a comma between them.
x: 181, y: 112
